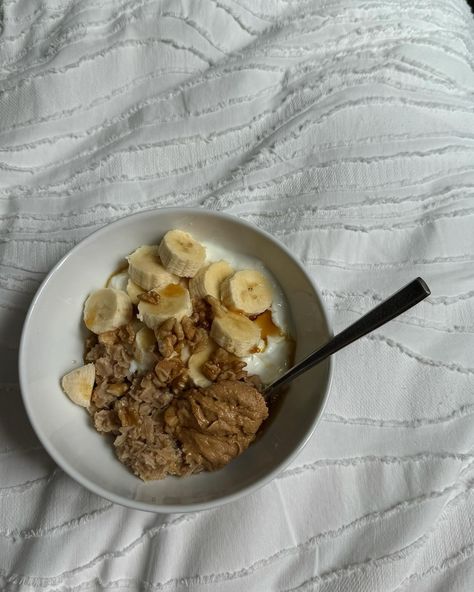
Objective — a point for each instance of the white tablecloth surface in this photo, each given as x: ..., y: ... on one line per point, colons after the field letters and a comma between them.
x: 346, y: 129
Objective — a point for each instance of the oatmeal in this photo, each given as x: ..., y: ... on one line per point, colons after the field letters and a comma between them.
x: 180, y: 347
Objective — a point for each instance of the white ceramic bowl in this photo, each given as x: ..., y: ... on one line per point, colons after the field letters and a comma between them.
x: 52, y: 343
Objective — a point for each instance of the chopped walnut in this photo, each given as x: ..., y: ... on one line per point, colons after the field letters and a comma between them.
x: 211, y: 370
x: 152, y: 297
x: 150, y: 390
x: 178, y: 330
x: 167, y: 370
x: 181, y: 381
x: 224, y: 366
x: 117, y: 389
x: 200, y: 340
x: 164, y: 329
x: 179, y: 347
x: 189, y: 329
x: 170, y: 417
x: 166, y: 346
x: 233, y: 375
x: 203, y: 314
x: 106, y: 421
x: 127, y: 333
x: 100, y: 398
x: 127, y: 413
x: 223, y: 357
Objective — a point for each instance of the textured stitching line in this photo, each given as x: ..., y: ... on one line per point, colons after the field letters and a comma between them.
x: 409, y: 319
x: 459, y: 413
x: 306, y: 124
x: 433, y: 300
x: 361, y: 141
x: 218, y: 202
x: 66, y: 526
x: 451, y: 366
x: 464, y: 554
x: 361, y: 266
x: 305, y: 223
x: 370, y: 6
x: 26, y: 485
x: 371, y: 459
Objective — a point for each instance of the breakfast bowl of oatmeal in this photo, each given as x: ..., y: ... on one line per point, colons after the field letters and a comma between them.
x: 146, y: 352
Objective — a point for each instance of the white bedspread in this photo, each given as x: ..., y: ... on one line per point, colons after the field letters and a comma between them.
x: 346, y: 129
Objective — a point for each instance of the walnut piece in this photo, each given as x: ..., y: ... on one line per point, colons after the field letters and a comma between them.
x: 152, y: 297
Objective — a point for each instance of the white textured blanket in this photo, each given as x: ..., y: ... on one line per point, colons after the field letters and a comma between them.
x: 346, y: 129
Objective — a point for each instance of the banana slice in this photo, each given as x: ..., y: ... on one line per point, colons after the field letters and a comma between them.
x: 247, y: 291
x: 134, y: 291
x: 174, y: 301
x: 107, y: 309
x: 208, y: 280
x: 235, y: 333
x: 196, y: 361
x: 181, y: 254
x: 79, y: 383
x: 145, y: 342
x: 145, y: 339
x: 146, y: 270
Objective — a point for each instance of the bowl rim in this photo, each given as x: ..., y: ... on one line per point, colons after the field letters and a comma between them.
x: 148, y: 506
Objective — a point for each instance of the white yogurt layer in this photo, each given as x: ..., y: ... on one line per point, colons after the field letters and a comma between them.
x: 277, y: 357
x: 119, y: 281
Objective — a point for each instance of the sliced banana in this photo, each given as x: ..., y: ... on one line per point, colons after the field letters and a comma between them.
x: 145, y: 268
x: 247, y: 291
x: 145, y: 342
x: 79, y: 384
x: 107, y: 309
x: 174, y: 301
x: 134, y: 291
x: 208, y: 280
x: 196, y: 362
x: 235, y: 333
x: 181, y: 254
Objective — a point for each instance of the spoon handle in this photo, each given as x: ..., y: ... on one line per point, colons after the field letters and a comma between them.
x: 387, y: 310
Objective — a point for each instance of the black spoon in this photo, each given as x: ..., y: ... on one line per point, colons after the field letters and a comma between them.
x: 411, y: 294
